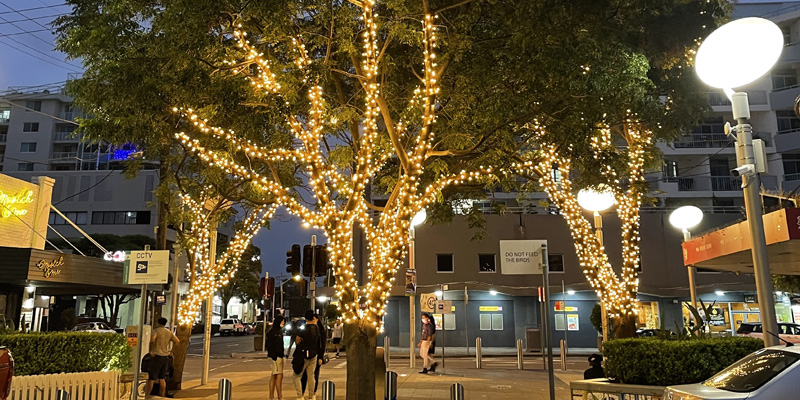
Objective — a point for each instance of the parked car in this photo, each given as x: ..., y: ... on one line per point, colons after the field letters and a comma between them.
x: 770, y: 373
x: 249, y: 328
x: 99, y: 327
x: 786, y: 331
x: 231, y: 327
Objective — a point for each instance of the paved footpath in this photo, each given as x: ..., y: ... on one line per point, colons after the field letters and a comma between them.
x: 498, y: 380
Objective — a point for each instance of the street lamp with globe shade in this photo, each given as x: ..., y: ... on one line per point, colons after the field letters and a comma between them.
x: 685, y: 218
x: 417, y: 220
x: 735, y: 55
x: 595, y: 201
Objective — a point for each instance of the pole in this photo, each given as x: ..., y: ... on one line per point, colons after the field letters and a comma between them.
x: 328, y: 390
x: 313, y: 273
x: 264, y: 326
x: 546, y: 316
x: 225, y: 390
x: 386, y: 345
x: 442, y: 287
x: 566, y: 325
x: 212, y: 257
x: 466, y: 321
x: 412, y: 301
x: 598, y: 230
x: 692, y: 273
x: 752, y: 202
x: 519, y: 354
x: 390, y: 390
x: 456, y: 391
x: 478, y: 353
x: 175, y: 269
x: 137, y: 362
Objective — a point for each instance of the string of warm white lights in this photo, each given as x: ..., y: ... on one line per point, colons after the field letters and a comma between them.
x: 340, y: 202
x: 618, y: 294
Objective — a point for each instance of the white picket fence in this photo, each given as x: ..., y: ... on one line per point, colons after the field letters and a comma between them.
x: 79, y: 385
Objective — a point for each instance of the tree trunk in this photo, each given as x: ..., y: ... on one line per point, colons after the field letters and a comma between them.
x: 361, y: 342
x: 625, y: 327
x: 224, y: 310
x: 179, y: 356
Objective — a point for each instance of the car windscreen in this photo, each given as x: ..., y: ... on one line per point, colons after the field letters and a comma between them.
x: 226, y: 322
x: 753, y: 371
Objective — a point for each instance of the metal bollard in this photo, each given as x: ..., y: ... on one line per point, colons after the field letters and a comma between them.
x: 62, y: 394
x: 328, y: 390
x: 390, y: 391
x: 563, y: 356
x: 457, y: 392
x: 478, y: 353
x: 386, y: 356
x: 225, y: 389
x: 519, y: 354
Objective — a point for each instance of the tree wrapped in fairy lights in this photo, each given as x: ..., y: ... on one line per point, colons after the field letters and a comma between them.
x: 381, y: 140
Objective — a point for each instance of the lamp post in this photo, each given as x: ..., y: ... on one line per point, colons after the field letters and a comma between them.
x: 596, y: 201
x: 735, y: 55
x: 685, y: 218
x: 418, y: 219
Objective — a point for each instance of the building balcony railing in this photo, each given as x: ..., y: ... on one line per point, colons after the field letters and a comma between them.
x: 3, y: 138
x: 714, y: 140
x: 64, y: 155
x: 791, y: 177
x: 68, y: 115
x: 718, y: 183
x: 754, y: 98
x: 65, y: 137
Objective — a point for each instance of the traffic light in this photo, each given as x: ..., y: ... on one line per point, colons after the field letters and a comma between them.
x: 321, y: 260
x: 307, y: 260
x: 302, y: 287
x: 293, y: 260
x: 262, y: 287
x: 270, y: 288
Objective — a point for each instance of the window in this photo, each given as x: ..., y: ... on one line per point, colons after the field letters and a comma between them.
x: 486, y: 263
x: 78, y: 217
x: 491, y: 322
x: 669, y: 171
x: 787, y: 121
x: 709, y: 126
x: 449, y: 322
x: 753, y: 371
x: 30, y: 127
x: 25, y: 166
x: 33, y: 105
x: 556, y: 262
x: 444, y: 263
x: 120, y: 217
x: 783, y: 78
x: 27, y: 147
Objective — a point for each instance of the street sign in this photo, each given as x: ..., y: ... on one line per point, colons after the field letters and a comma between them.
x: 521, y: 257
x: 444, y: 307
x: 411, y: 282
x: 146, y: 267
x: 427, y: 302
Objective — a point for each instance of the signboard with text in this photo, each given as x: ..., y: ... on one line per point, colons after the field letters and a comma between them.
x: 521, y: 257
x: 146, y: 267
x: 427, y: 302
x: 19, y: 203
x: 444, y: 307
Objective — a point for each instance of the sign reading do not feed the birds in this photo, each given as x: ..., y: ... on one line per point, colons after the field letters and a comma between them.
x: 146, y: 267
x: 521, y: 257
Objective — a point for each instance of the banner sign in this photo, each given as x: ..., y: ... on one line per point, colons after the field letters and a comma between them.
x: 146, y: 267
x: 521, y: 257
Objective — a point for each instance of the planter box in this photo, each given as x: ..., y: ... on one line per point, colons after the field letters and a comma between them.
x: 601, y: 388
x: 257, y: 342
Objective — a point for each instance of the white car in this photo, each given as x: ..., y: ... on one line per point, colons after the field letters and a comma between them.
x: 231, y: 326
x: 786, y: 331
x: 767, y: 374
x: 99, y: 327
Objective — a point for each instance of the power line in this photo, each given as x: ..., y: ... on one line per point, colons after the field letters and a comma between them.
x: 25, y: 32
x: 21, y: 28
x: 85, y: 190
x: 35, y: 36
x: 20, y: 13
x: 39, y: 112
x: 37, y: 57
x: 33, y: 8
x: 33, y: 18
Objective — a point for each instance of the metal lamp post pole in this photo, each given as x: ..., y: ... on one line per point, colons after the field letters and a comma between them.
x: 174, y: 301
x: 212, y: 257
x: 598, y: 229
x: 751, y: 185
x: 412, y: 302
x: 687, y: 236
x: 313, y: 273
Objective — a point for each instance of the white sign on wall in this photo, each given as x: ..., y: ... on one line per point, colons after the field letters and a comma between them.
x: 427, y: 302
x: 521, y: 257
x: 146, y: 267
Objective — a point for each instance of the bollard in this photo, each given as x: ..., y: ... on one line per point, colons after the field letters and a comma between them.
x: 62, y: 394
x: 386, y: 356
x: 519, y: 354
x: 563, y: 355
x: 328, y: 390
x: 390, y: 391
x: 457, y: 392
x: 225, y: 389
x: 478, y: 353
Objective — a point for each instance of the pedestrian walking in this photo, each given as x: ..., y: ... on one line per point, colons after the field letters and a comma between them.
x: 275, y: 357
x: 161, y: 342
x: 307, y: 341
x: 336, y: 337
x: 321, y: 349
x: 425, y: 344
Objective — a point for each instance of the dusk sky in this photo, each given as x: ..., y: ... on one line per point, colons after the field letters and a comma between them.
x: 29, y: 59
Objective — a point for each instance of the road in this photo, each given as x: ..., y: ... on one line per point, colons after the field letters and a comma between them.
x: 221, y: 346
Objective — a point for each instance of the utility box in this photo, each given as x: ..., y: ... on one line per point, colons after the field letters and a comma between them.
x: 131, y: 333
x: 533, y: 336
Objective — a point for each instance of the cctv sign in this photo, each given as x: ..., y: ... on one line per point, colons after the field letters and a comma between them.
x: 146, y: 267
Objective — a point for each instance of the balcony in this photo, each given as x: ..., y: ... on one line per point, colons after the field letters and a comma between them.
x: 791, y: 177
x: 3, y: 138
x: 718, y: 183
x: 68, y: 115
x: 58, y: 156
x: 65, y: 137
x: 754, y: 98
x: 783, y: 98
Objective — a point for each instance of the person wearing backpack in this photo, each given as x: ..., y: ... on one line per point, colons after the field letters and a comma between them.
x: 307, y: 341
x: 323, y: 335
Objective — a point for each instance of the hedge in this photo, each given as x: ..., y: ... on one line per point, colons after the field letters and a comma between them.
x: 652, y: 361
x: 56, y: 352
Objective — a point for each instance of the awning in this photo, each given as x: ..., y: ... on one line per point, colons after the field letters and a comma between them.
x: 729, y: 248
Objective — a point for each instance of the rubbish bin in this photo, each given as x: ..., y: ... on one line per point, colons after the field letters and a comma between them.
x: 534, y: 338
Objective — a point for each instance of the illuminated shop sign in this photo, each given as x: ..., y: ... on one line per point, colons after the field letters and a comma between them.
x: 15, y: 204
x: 50, y: 268
x: 117, y: 256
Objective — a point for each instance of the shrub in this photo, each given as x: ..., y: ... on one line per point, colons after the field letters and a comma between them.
x: 652, y: 361
x: 56, y: 352
x: 200, y: 328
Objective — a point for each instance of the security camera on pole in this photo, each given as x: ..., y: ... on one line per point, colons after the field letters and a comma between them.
x: 735, y: 55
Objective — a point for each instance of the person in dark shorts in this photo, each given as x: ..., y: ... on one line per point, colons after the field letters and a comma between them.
x: 161, y: 342
x: 338, y: 332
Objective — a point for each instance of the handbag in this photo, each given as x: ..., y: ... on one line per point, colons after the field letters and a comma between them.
x: 432, y: 348
x: 298, y: 361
